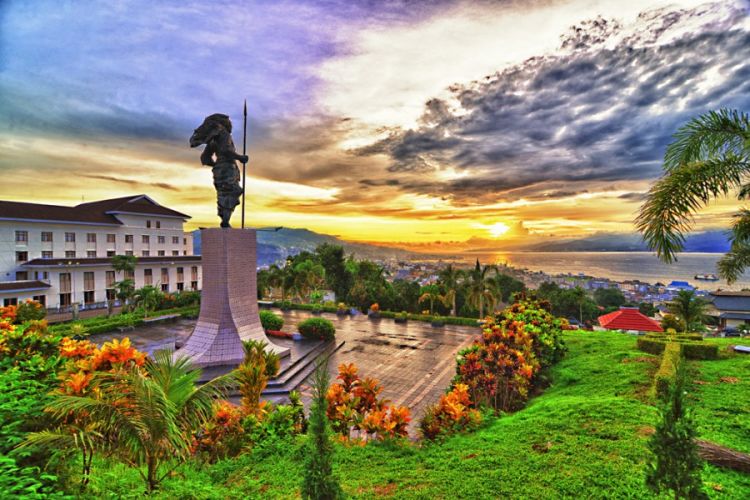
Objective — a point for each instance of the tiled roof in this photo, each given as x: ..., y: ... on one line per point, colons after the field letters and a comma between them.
x: 19, y: 286
x: 629, y: 318
x: 96, y: 212
x: 98, y: 261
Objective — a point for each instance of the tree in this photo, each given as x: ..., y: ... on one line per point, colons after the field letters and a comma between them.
x: 145, y: 416
x: 676, y: 465
x: 450, y: 278
x: 125, y: 288
x: 149, y: 297
x: 480, y: 289
x: 318, y: 481
x: 609, y: 297
x: 309, y: 276
x: 333, y: 260
x: 647, y: 309
x: 580, y: 296
x: 506, y: 286
x: 710, y: 157
x: 672, y: 322
x: 690, y: 308
x: 431, y: 293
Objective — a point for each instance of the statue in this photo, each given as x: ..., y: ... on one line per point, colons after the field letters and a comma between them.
x: 216, y: 133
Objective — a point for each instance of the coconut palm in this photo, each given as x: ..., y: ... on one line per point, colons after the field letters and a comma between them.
x: 689, y: 308
x: 431, y: 293
x: 145, y: 416
x: 148, y: 298
x: 309, y: 276
x: 480, y: 289
x: 710, y: 157
x: 451, y: 277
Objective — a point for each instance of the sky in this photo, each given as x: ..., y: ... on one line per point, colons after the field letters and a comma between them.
x: 424, y: 124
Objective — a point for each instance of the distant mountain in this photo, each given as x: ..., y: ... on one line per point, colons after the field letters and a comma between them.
x: 715, y: 241
x: 275, y: 246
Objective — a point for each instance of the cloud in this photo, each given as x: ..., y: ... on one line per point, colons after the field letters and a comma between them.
x: 590, y: 114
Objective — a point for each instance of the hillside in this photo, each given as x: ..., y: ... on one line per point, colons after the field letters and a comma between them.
x: 584, y: 437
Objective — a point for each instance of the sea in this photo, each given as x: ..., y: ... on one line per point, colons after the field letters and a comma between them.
x: 618, y: 266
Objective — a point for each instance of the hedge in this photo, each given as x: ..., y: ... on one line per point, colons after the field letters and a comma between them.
x: 317, y: 328
x: 665, y: 375
x: 680, y: 336
x: 689, y: 349
x: 104, y: 324
x: 271, y: 321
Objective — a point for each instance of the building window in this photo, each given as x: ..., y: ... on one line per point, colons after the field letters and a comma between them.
x: 128, y: 252
x: 158, y: 224
x: 65, y: 283
x: 42, y: 299
x: 130, y: 275
x: 144, y: 238
x: 165, y: 275
x: 184, y: 252
x: 128, y: 238
x: 70, y: 254
x: 22, y: 275
x: 46, y: 254
x: 165, y: 287
x: 161, y: 253
x: 148, y: 277
x: 175, y: 240
x: 22, y: 256
x: 88, y: 280
x: 175, y: 252
x: 88, y: 297
x: 110, y: 294
x: 65, y: 299
x: 194, y: 285
x: 70, y: 237
x: 109, y: 279
x: 13, y: 301
x: 148, y: 223
x: 22, y: 236
x: 110, y: 253
x: 145, y: 253
x: 184, y: 241
x: 180, y: 287
x: 111, y: 238
x: 91, y: 254
x: 160, y: 240
x: 47, y: 236
x: 44, y: 275
x: 90, y: 237
x: 194, y: 273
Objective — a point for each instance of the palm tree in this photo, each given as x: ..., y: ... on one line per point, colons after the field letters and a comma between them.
x: 451, y: 277
x: 309, y: 276
x: 431, y: 293
x: 688, y: 307
x: 480, y: 289
x: 146, y: 416
x: 148, y: 298
x: 126, y: 286
x: 710, y: 157
x: 579, y: 295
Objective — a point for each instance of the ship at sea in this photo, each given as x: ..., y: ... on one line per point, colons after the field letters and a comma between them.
x: 706, y: 277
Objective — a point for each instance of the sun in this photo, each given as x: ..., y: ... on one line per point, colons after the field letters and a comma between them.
x: 498, y: 229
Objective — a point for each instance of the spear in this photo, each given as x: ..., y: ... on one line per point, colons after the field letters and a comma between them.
x: 244, y: 163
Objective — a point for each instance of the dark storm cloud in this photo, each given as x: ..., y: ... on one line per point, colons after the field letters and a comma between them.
x: 599, y: 112
x: 132, y: 182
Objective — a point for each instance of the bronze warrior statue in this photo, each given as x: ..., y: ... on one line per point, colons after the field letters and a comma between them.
x: 216, y: 133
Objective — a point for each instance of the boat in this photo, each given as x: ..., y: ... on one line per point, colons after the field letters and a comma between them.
x: 706, y: 277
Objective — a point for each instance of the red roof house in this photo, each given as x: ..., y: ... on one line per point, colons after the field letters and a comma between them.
x: 629, y: 318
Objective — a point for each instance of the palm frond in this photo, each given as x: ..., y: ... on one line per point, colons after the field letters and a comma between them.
x: 715, y: 133
x: 734, y: 262
x: 667, y: 214
x: 741, y: 227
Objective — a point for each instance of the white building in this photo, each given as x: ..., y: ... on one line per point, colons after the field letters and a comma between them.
x: 61, y: 255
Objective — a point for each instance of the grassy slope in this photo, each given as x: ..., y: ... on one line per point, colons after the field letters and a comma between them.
x: 583, y: 438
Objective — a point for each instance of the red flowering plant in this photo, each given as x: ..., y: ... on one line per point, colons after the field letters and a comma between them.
x: 499, y: 367
x: 454, y: 412
x: 354, y: 406
x: 222, y: 436
x: 544, y: 329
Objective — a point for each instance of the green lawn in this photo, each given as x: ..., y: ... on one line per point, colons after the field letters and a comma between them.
x: 584, y: 437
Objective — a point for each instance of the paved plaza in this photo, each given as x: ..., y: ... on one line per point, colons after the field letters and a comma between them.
x: 414, y: 362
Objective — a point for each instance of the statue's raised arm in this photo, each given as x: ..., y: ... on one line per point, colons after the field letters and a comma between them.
x: 216, y: 133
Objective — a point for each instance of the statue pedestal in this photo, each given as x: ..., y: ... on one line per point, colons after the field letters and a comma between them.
x: 229, y: 300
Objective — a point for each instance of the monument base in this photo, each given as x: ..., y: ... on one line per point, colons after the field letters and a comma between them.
x: 229, y: 305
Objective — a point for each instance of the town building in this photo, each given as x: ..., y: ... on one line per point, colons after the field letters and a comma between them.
x: 730, y: 308
x: 62, y: 255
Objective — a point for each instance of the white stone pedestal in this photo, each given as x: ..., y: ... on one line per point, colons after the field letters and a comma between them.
x: 229, y: 300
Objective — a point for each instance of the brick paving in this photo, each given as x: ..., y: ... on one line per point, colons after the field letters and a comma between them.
x: 414, y: 362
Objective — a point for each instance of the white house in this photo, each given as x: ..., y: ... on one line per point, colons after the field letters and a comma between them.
x: 61, y: 255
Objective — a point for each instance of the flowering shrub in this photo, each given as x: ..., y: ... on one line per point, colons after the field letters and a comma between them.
x: 544, y: 329
x: 253, y: 374
x: 453, y: 413
x: 30, y: 310
x: 222, y: 435
x: 354, y: 405
x: 27, y: 344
